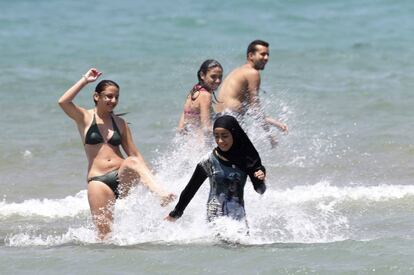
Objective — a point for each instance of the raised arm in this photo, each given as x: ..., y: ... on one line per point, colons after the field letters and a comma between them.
x: 66, y: 100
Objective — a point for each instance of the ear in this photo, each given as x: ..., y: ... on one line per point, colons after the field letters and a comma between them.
x: 250, y: 55
x: 95, y: 96
x: 202, y: 76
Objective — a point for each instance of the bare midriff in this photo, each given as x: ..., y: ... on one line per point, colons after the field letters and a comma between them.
x: 102, y: 158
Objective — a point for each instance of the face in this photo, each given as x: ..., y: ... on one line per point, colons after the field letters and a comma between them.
x: 108, y: 98
x: 212, y: 79
x: 259, y: 57
x: 224, y: 138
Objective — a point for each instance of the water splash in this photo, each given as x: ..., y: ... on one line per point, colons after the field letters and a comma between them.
x: 303, y: 214
x: 317, y: 212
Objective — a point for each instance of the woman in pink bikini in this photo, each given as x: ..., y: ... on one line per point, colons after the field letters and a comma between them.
x: 196, y: 116
x: 110, y: 174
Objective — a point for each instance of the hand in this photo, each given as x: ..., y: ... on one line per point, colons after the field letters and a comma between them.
x: 167, y: 198
x: 170, y: 219
x: 283, y: 127
x: 260, y: 174
x: 280, y: 125
x: 273, y: 141
x: 92, y: 75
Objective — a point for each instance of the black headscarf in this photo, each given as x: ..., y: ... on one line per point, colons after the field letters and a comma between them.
x: 242, y: 152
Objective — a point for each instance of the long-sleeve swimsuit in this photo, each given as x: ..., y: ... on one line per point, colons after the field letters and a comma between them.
x: 227, y: 183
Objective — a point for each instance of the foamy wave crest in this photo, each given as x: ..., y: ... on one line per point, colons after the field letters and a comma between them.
x: 79, y: 235
x: 316, y: 213
x: 324, y: 190
x: 53, y: 208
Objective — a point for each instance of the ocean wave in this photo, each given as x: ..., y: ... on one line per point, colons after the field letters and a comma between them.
x: 316, y: 213
x: 324, y: 189
x: 69, y: 206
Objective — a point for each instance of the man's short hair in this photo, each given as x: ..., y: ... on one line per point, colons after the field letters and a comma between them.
x: 252, y: 46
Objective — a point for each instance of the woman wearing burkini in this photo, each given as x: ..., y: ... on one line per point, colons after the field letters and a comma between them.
x: 227, y: 168
x: 110, y: 174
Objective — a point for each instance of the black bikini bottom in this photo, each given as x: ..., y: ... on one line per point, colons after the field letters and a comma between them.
x: 110, y: 179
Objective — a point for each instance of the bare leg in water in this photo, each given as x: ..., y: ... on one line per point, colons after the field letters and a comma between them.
x: 101, y: 201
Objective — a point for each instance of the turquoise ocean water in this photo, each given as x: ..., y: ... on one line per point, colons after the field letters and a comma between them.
x: 340, y: 194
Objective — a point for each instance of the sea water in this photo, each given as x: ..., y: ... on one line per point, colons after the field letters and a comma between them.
x: 340, y: 196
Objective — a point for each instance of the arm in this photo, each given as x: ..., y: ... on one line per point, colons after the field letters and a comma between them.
x: 147, y: 177
x: 254, y: 102
x: 205, y: 112
x: 66, y: 100
x: 253, y: 87
x: 280, y: 125
x: 180, y: 127
x: 258, y: 178
x: 198, y: 177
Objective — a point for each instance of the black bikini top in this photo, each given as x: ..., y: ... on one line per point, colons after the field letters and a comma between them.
x: 93, y: 136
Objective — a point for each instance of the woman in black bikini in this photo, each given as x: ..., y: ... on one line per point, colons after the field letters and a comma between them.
x: 110, y: 175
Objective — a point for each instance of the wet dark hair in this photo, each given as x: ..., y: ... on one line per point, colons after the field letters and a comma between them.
x: 252, y: 46
x: 103, y: 85
x: 205, y: 66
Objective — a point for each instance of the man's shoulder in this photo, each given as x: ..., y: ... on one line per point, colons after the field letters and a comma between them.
x: 244, y: 72
x: 248, y: 71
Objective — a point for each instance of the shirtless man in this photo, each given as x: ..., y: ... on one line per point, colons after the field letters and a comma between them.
x: 239, y: 91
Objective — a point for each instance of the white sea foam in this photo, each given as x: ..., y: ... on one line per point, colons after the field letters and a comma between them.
x: 306, y: 214
x: 52, y: 208
x: 324, y: 189
x: 27, y: 154
x: 71, y: 206
x: 73, y: 235
x: 311, y: 213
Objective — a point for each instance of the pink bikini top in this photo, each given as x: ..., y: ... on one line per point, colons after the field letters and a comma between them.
x: 189, y: 111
